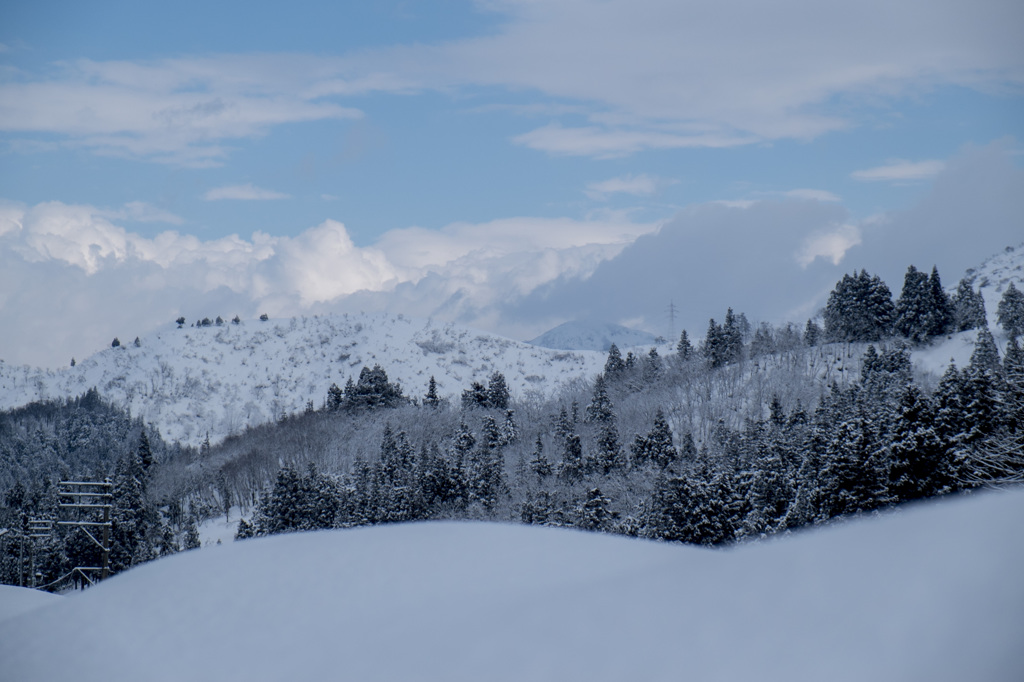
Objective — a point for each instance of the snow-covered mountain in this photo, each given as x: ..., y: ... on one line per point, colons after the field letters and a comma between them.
x: 930, y: 592
x: 592, y: 335
x: 995, y: 274
x: 220, y: 379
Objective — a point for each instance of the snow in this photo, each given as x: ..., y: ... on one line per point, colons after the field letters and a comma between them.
x: 197, y: 380
x: 15, y: 601
x: 930, y: 592
x: 219, y: 528
x: 599, y: 336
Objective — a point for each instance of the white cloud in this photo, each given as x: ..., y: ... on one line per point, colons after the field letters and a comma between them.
x: 245, y: 192
x: 80, y: 253
x: 141, y: 212
x: 650, y: 74
x: 611, y: 143
x: 636, y: 185
x: 172, y: 111
x: 812, y: 195
x: 830, y: 244
x: 900, y: 170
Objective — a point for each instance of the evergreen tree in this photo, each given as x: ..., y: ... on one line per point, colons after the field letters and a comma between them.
x: 475, y: 396
x: 968, y: 308
x: 245, y: 530
x: 915, y: 307
x: 651, y: 367
x: 192, y: 540
x: 656, y: 447
x: 497, y: 392
x: 812, y: 334
x: 593, y: 512
x: 943, y: 316
x: 431, y: 399
x: 538, y: 462
x: 571, y: 466
x: 614, y: 365
x: 734, y: 330
x: 600, y: 409
x: 860, y: 308
x: 373, y: 390
x: 684, y: 349
x: 1010, y: 312
x: 714, y: 348
x: 336, y: 397
x: 509, y: 429
x: 918, y: 459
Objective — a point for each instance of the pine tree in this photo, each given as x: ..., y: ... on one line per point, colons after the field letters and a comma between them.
x: 538, y: 462
x: 593, y: 512
x: 684, y: 349
x: 733, y: 333
x: 475, y: 396
x: 245, y: 530
x: 656, y: 447
x: 915, y: 307
x: 335, y: 397
x: 968, y: 308
x: 497, y: 392
x: 614, y: 365
x: 918, y: 459
x: 812, y: 334
x: 192, y: 540
x: 943, y: 317
x: 651, y: 367
x: 431, y: 399
x: 860, y: 308
x: 509, y: 429
x: 714, y: 348
x: 372, y: 391
x: 1010, y: 312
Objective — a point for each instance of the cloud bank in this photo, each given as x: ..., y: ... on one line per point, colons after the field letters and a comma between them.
x: 628, y: 76
x: 72, y: 277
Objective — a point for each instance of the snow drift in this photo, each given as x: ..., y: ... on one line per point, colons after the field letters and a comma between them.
x: 931, y: 592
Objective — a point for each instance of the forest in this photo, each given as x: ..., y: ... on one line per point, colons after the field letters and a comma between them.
x: 751, y: 432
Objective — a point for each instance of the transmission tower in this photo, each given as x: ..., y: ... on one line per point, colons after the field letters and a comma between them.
x: 90, y: 505
x: 671, y: 311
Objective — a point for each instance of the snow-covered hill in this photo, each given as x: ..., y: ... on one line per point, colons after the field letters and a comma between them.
x: 994, y: 275
x: 599, y: 336
x: 219, y: 379
x: 931, y: 592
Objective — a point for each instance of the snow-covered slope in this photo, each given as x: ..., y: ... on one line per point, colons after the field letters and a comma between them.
x: 991, y: 278
x: 598, y: 336
x: 220, y: 379
x: 14, y: 601
x: 932, y: 592
x: 994, y: 276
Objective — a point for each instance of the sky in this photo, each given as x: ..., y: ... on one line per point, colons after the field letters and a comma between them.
x: 510, y: 165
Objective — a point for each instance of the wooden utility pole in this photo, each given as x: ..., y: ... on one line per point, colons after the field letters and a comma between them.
x: 91, y: 505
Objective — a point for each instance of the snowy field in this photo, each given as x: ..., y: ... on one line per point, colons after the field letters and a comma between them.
x: 932, y: 592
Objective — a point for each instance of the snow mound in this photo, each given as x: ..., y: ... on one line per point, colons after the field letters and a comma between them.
x: 15, y: 601
x: 595, y: 336
x: 930, y: 592
x: 219, y: 379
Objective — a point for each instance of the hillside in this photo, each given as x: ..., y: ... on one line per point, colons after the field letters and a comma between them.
x: 599, y: 336
x: 220, y: 379
x: 927, y: 593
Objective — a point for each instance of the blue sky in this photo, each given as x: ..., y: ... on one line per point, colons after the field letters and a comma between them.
x: 392, y: 141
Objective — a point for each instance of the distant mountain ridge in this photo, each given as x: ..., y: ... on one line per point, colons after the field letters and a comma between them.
x: 592, y: 335
x: 219, y: 379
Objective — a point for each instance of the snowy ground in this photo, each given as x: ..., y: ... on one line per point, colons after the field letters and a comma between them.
x: 15, y: 601
x: 932, y: 592
x: 215, y: 381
